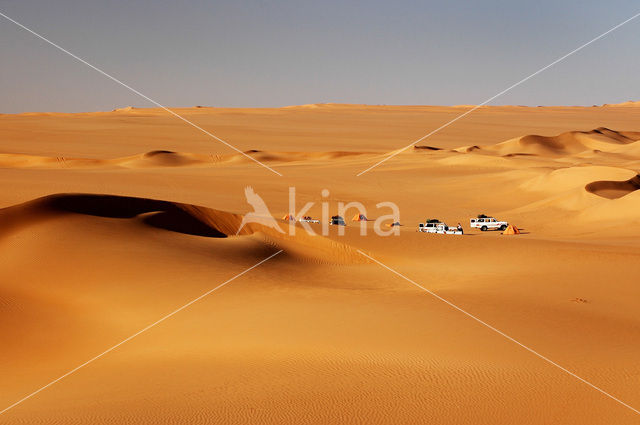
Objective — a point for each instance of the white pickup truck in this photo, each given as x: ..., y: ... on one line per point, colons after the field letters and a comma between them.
x: 488, y: 223
x: 307, y: 219
x: 438, y: 227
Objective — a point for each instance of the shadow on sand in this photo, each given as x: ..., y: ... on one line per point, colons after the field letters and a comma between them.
x: 160, y: 214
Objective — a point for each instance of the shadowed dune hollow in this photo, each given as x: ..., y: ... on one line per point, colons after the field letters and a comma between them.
x: 161, y: 214
x: 614, y: 189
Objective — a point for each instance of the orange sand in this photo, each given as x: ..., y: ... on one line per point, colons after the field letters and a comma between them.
x: 319, y: 334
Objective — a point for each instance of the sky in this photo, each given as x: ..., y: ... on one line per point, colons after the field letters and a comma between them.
x: 275, y: 53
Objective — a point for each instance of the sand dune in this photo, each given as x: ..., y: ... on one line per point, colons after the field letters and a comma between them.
x: 112, y: 220
x: 568, y: 178
x: 627, y: 104
x: 181, y: 218
x: 616, y: 215
x: 162, y: 158
x: 569, y: 143
x: 428, y: 148
x: 165, y: 159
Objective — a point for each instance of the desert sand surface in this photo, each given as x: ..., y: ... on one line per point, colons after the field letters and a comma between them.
x: 111, y: 220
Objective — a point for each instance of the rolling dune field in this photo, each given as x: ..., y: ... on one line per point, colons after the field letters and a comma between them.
x: 109, y: 221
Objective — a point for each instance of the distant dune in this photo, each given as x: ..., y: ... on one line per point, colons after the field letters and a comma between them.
x: 629, y: 103
x: 163, y: 158
x: 569, y: 143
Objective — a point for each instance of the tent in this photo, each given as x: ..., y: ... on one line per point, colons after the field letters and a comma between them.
x: 289, y: 217
x: 359, y: 217
x: 511, y: 230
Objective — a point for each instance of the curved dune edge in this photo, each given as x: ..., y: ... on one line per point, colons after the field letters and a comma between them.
x: 180, y: 218
x: 598, y: 140
x: 164, y: 158
x: 614, y: 189
x: 559, y: 180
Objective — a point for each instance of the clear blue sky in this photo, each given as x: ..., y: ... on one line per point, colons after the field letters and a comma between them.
x: 275, y: 53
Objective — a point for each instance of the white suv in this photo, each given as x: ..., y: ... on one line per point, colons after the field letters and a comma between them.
x: 488, y: 223
x: 432, y: 227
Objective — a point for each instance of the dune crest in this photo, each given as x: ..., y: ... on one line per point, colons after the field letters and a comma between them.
x: 569, y: 143
x: 166, y: 158
x: 627, y: 104
x: 178, y: 217
x: 124, y: 109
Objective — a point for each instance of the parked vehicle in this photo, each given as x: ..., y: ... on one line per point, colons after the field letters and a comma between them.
x: 431, y: 226
x: 437, y: 226
x: 454, y: 231
x: 337, y: 220
x: 308, y: 219
x: 485, y: 223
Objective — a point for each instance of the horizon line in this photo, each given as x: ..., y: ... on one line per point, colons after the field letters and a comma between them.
x: 625, y: 104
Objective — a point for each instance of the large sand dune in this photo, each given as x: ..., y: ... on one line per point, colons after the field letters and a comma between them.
x: 568, y: 143
x: 111, y: 220
x: 177, y: 217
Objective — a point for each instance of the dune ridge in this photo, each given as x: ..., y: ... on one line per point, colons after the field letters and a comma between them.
x: 166, y: 158
x: 568, y: 143
x: 181, y: 218
x: 627, y: 104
